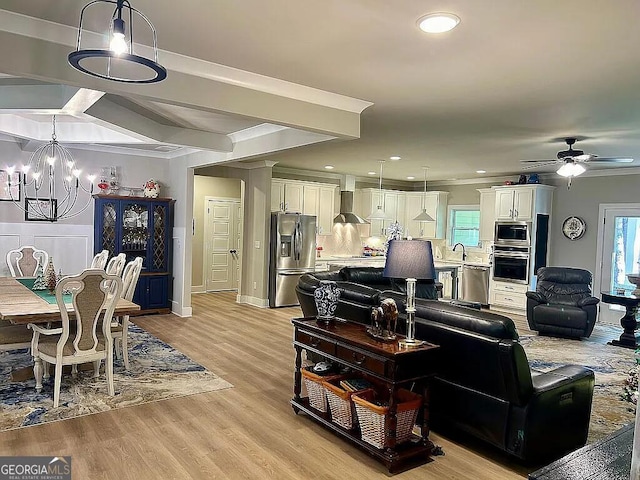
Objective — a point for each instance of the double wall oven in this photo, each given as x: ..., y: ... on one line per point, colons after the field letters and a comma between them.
x: 512, y: 252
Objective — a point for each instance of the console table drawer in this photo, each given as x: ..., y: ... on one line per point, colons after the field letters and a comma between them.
x: 319, y: 343
x: 362, y: 359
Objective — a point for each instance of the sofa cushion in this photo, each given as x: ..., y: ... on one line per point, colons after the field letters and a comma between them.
x: 358, y: 293
x: 565, y: 316
x: 370, y: 276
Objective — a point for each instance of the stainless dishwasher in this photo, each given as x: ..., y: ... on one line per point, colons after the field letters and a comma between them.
x: 475, y: 284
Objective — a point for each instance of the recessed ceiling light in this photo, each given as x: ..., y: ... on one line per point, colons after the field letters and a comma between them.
x: 328, y: 167
x: 481, y: 171
x: 372, y: 173
x: 438, y: 22
x: 395, y: 157
x: 411, y: 178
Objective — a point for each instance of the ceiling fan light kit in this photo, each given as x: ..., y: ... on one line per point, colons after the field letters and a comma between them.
x: 571, y: 169
x: 118, y: 62
x: 574, y: 161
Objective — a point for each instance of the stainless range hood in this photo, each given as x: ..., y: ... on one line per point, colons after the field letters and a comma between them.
x: 346, y: 214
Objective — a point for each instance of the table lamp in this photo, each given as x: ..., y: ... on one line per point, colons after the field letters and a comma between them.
x: 413, y: 260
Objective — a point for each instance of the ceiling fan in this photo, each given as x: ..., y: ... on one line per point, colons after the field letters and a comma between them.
x: 572, y: 161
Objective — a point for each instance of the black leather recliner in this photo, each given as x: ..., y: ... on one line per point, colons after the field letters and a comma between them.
x: 562, y: 304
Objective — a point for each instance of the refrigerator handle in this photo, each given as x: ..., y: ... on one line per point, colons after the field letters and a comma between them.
x: 297, y: 240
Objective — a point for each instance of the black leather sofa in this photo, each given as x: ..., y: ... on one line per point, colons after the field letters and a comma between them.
x: 562, y: 304
x: 484, y: 385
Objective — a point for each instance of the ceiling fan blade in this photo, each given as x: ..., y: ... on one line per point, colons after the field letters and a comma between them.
x: 609, y: 160
x: 585, y: 157
x: 547, y: 161
x: 528, y: 164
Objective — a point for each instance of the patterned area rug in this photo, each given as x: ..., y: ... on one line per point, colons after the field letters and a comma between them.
x: 611, y: 365
x: 157, y: 372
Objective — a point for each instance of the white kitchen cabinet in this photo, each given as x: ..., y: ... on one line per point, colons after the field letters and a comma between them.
x: 326, y: 208
x: 393, y: 203
x: 311, y: 197
x: 308, y: 198
x: 286, y: 195
x: 522, y: 202
x: 487, y: 213
x: 436, y: 205
x: 508, y: 296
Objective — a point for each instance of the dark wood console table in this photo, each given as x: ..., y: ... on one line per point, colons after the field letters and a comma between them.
x: 630, y: 302
x: 347, y: 343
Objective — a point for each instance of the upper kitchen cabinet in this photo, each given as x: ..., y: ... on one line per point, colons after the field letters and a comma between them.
x: 320, y: 200
x: 308, y: 198
x: 367, y: 201
x: 487, y: 213
x: 522, y: 202
x: 435, y: 204
x: 286, y: 196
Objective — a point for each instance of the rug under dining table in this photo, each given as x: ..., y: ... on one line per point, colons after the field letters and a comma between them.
x: 157, y: 372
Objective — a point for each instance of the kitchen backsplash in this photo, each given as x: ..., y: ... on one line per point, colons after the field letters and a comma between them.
x: 346, y: 241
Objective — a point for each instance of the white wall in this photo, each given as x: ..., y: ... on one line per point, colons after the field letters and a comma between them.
x: 70, y: 241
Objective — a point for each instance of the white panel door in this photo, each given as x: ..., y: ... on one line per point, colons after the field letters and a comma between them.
x: 220, y: 246
x: 523, y: 203
x: 326, y: 210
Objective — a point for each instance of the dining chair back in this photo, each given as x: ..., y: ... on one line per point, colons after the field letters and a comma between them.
x: 120, y: 327
x: 84, y: 336
x: 100, y: 260
x: 116, y: 264
x: 24, y: 261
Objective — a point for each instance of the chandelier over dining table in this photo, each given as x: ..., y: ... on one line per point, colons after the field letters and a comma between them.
x: 51, y: 183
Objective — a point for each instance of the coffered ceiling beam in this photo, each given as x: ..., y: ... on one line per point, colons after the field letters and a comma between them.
x: 115, y: 114
x: 36, y: 58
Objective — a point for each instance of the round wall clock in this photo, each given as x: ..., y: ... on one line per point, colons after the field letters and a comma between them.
x: 573, y: 228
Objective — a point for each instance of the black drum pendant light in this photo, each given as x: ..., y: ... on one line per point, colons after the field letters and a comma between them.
x: 117, y: 60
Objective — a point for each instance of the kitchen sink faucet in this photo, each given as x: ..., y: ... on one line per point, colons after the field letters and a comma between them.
x: 464, y: 252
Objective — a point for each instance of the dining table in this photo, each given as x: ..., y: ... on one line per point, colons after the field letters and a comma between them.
x: 21, y: 305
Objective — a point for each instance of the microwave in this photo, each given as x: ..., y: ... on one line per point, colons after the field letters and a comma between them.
x: 513, y: 233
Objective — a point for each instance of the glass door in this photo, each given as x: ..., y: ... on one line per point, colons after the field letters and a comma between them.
x: 135, y: 231
x: 620, y: 240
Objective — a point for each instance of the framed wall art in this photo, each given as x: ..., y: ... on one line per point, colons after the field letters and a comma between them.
x: 37, y: 209
x: 5, y: 194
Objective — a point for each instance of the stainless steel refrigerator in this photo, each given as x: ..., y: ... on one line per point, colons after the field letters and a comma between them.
x: 293, y: 253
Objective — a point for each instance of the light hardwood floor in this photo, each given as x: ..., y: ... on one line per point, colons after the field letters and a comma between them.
x: 249, y: 431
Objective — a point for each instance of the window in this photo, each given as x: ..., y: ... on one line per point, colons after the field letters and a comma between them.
x: 464, y: 225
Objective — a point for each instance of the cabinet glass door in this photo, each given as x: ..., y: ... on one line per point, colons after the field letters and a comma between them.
x: 135, y: 232
x: 109, y: 218
x: 160, y: 251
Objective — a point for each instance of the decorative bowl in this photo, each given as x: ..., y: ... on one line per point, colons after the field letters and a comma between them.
x: 635, y: 279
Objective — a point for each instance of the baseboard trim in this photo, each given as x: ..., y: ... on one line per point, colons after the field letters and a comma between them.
x: 176, y: 309
x: 255, y: 301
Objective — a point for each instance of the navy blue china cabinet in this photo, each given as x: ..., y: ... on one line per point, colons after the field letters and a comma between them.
x: 139, y: 227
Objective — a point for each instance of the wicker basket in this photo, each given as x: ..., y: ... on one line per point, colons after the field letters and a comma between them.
x: 340, y: 403
x: 315, y: 389
x: 372, y: 417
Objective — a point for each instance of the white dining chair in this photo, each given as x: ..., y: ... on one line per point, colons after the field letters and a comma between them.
x: 86, y: 337
x: 100, y: 260
x: 120, y: 325
x: 116, y: 264
x: 24, y: 261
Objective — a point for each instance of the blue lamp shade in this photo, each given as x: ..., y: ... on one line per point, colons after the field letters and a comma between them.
x: 410, y: 259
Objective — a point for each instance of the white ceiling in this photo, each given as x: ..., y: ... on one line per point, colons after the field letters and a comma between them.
x: 505, y: 85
